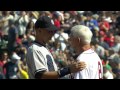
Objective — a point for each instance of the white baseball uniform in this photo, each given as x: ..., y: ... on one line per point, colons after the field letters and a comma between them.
x: 94, y: 68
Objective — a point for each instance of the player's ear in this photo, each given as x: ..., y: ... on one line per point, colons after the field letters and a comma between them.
x: 37, y: 30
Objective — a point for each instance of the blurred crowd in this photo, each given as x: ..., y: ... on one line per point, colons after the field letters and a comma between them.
x: 17, y: 33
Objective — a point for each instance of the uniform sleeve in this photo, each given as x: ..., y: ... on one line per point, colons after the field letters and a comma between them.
x: 36, y: 61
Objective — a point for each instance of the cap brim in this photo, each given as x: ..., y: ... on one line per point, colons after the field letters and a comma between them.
x: 52, y: 28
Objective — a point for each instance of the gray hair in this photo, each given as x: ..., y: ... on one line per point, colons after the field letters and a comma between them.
x: 82, y: 32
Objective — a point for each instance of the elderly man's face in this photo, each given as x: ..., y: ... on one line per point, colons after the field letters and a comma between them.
x: 73, y: 41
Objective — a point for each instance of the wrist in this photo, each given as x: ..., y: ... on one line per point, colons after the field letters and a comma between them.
x: 64, y: 71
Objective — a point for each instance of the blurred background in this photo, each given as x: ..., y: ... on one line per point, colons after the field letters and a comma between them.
x: 17, y: 33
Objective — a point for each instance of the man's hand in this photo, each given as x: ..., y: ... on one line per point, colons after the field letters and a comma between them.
x: 77, y: 66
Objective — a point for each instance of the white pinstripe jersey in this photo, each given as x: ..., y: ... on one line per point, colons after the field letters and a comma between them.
x: 39, y: 59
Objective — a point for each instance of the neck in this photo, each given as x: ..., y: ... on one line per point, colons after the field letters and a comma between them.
x: 83, y: 48
x: 40, y: 41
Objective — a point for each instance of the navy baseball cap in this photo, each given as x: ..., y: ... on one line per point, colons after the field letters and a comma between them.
x: 46, y: 23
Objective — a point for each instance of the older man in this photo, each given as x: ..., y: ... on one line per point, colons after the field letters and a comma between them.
x: 80, y: 40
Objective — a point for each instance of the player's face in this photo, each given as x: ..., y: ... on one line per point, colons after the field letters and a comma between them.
x: 48, y: 35
x: 73, y: 41
x: 45, y: 34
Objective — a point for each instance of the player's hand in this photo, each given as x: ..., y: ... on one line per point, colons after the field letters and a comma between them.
x: 77, y: 66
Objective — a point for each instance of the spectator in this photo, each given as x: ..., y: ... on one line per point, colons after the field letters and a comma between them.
x: 3, y: 61
x: 82, y: 20
x: 22, y: 23
x: 12, y: 36
x: 30, y: 28
x: 103, y: 43
x: 104, y: 25
x: 3, y: 42
x: 115, y: 63
x: 56, y: 19
x: 21, y: 51
x: 12, y: 67
x: 66, y: 25
x: 91, y: 23
x: 60, y: 16
x: 23, y: 72
x: 61, y: 37
x: 109, y: 39
x: 107, y: 74
x: 116, y: 46
x: 6, y: 16
x: 99, y: 49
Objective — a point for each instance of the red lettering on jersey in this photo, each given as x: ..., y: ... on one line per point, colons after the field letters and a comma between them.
x: 99, y: 70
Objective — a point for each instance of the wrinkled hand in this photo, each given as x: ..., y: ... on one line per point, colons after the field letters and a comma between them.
x: 77, y: 66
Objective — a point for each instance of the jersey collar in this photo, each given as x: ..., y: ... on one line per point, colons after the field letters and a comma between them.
x: 40, y: 43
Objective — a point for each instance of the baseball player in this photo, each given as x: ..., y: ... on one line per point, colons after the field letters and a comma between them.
x: 80, y: 40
